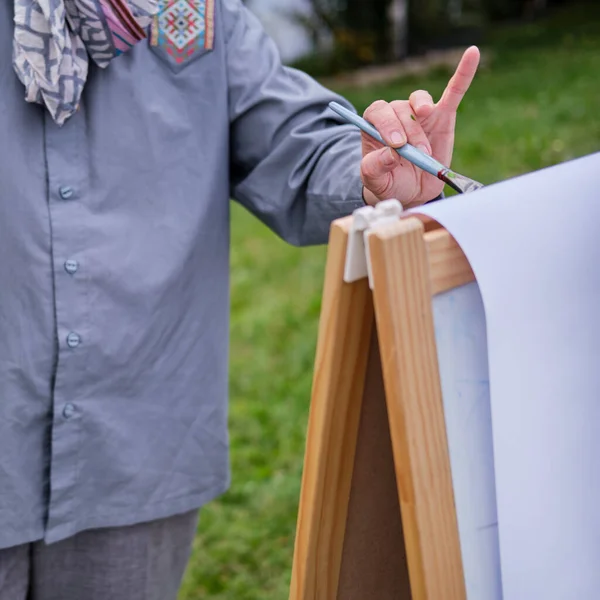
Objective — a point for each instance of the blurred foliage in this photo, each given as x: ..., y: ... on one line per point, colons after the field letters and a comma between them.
x: 361, y: 32
x: 534, y: 104
x: 355, y: 33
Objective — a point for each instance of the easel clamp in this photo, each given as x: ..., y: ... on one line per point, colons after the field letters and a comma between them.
x: 366, y: 219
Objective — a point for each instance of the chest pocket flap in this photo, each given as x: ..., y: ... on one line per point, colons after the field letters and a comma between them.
x: 183, y: 31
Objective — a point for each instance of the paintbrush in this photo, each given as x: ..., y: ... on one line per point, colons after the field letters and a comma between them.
x: 455, y: 180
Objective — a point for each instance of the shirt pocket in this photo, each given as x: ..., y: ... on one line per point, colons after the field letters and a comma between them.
x: 182, y: 31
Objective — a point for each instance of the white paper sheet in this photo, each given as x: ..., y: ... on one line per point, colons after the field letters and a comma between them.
x: 534, y: 245
x: 460, y: 335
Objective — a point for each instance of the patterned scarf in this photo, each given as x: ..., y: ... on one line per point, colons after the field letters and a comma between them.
x: 54, y: 40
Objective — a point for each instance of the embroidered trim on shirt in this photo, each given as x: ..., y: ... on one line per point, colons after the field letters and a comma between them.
x: 183, y: 27
x: 210, y: 24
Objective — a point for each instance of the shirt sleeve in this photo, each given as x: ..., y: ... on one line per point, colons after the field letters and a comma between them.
x: 294, y: 164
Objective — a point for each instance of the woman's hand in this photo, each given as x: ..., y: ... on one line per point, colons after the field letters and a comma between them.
x: 428, y: 126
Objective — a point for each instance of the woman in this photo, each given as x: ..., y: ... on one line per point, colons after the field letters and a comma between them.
x: 125, y: 129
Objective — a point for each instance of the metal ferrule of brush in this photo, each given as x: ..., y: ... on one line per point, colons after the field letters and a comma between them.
x: 458, y: 182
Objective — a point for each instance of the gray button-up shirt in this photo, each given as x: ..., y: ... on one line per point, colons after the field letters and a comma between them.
x: 114, y: 259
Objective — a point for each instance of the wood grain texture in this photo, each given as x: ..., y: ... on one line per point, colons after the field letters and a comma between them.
x: 428, y: 223
x: 345, y: 331
x: 448, y: 265
x: 414, y: 399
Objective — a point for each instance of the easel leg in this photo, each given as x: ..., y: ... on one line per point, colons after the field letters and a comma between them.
x: 414, y: 398
x: 340, y: 367
x: 349, y: 543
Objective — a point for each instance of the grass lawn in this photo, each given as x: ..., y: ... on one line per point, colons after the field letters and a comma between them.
x: 534, y: 104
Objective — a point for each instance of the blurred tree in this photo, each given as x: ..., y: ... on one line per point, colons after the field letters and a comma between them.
x: 398, y: 26
x: 509, y: 9
x: 321, y: 21
x: 363, y: 31
x: 369, y: 23
x: 378, y: 31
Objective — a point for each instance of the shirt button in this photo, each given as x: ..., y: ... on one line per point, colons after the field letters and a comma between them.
x: 73, y: 340
x: 66, y: 192
x: 68, y: 411
x: 71, y: 266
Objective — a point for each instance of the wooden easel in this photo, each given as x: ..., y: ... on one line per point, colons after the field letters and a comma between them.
x: 377, y: 519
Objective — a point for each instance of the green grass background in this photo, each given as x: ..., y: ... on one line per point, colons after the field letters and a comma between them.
x: 534, y: 103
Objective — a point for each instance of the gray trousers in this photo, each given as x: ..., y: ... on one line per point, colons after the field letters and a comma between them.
x: 141, y: 562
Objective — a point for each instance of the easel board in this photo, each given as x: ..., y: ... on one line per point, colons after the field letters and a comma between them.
x: 462, y: 355
x: 397, y: 496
